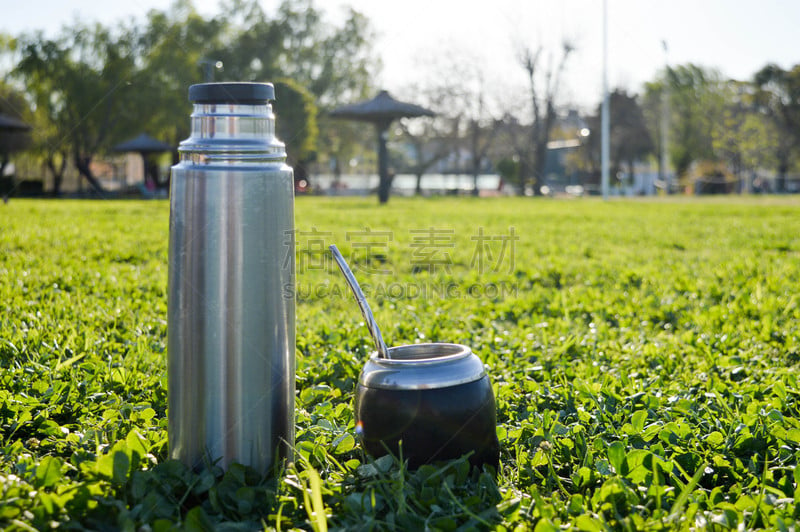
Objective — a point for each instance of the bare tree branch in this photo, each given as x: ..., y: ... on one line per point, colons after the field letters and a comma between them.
x: 543, y: 87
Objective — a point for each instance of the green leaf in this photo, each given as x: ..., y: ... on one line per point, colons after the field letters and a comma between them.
x: 197, y: 521
x: 587, y: 523
x: 70, y: 361
x: 50, y: 428
x: 546, y: 525
x: 602, y: 466
x: 47, y: 501
x: 502, y: 433
x: 344, y: 443
x: 164, y: 525
x: 715, y: 439
x: 582, y: 477
x: 651, y: 431
x: 638, y: 420
x: 121, y: 467
x: 793, y: 436
x: 745, y: 503
x: 539, y: 459
x: 779, y: 389
x: 681, y: 499
x: 48, y: 472
x: 104, y: 466
x: 305, y: 449
x: 576, y: 504
x: 146, y: 414
x: 313, y: 501
x: 245, y: 497
x: 638, y: 466
x: 352, y: 464
x: 616, y: 455
x: 136, y: 443
x: 9, y: 510
x: 204, y: 483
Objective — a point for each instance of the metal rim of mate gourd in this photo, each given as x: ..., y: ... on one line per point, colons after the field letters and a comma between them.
x: 422, y: 366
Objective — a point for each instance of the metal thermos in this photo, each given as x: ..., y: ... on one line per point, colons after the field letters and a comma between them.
x: 231, y: 311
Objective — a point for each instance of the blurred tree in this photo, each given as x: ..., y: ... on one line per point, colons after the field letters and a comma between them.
x: 296, y: 125
x: 335, y: 64
x: 250, y: 45
x: 745, y: 138
x: 82, y: 82
x: 430, y: 140
x: 515, y: 143
x: 45, y: 141
x: 654, y: 109
x: 695, y: 103
x: 629, y: 139
x: 97, y: 87
x: 508, y: 168
x: 779, y: 98
x: 480, y: 135
x: 543, y: 88
x: 463, y: 130
x: 174, y: 46
x: 344, y: 147
x: 45, y: 144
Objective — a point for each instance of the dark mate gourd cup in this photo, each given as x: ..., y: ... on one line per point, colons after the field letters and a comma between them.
x: 434, y: 398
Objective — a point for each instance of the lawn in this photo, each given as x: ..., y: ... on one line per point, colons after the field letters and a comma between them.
x: 644, y: 357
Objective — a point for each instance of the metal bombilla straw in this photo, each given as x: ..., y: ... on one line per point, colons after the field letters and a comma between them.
x: 374, y: 331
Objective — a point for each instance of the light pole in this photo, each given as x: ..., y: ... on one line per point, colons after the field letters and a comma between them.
x: 665, y: 121
x: 604, y: 121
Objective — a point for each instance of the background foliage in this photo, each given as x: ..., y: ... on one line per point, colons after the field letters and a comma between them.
x: 90, y: 87
x: 99, y: 86
x: 644, y: 357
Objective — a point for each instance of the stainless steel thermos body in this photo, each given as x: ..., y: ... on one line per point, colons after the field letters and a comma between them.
x: 231, y: 309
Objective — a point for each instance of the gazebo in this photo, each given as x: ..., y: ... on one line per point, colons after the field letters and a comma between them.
x: 144, y: 145
x: 9, y: 123
x: 381, y: 111
x: 13, y: 137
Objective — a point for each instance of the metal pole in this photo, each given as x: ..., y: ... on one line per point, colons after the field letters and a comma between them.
x: 665, y: 121
x: 604, y: 125
x: 208, y: 68
x: 383, y: 164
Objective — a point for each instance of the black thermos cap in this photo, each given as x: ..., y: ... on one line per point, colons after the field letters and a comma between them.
x: 236, y: 92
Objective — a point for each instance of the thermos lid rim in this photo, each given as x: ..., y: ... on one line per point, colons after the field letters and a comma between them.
x: 244, y: 93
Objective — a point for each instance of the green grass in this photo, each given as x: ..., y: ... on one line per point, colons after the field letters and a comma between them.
x: 644, y: 356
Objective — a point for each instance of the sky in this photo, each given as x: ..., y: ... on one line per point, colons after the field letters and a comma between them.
x: 737, y: 37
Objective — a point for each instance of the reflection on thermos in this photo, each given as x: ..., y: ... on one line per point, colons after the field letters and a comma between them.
x: 231, y: 318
